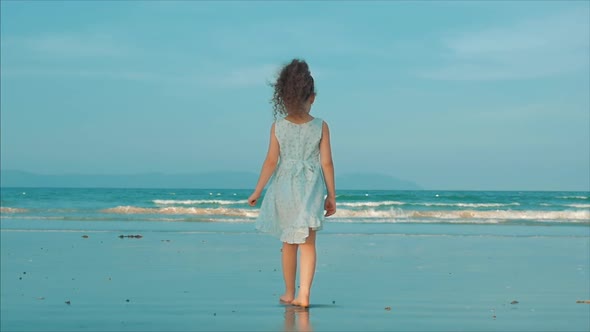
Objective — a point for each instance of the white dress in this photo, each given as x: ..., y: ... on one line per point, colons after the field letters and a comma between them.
x: 294, y: 199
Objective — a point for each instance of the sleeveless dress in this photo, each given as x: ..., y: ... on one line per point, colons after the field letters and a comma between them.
x: 294, y: 199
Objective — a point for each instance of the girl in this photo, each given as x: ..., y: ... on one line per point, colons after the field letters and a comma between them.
x: 294, y: 204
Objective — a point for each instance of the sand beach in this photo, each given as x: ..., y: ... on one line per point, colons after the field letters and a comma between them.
x: 92, y: 276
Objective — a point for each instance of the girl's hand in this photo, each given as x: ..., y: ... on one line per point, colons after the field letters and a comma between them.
x: 253, y: 199
x: 330, y: 206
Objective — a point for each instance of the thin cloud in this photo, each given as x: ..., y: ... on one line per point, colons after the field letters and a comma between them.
x: 68, y: 45
x: 530, y: 48
x: 123, y: 75
x: 69, y: 55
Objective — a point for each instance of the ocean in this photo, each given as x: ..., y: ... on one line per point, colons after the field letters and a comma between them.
x: 354, y: 206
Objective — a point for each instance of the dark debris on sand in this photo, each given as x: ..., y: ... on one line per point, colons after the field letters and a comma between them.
x: 131, y: 236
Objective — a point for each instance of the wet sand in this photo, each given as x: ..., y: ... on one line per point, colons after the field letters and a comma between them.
x: 76, y: 276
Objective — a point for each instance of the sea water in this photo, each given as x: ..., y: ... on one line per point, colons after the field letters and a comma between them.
x: 551, y: 208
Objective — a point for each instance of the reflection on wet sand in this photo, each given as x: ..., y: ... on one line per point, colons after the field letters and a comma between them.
x: 297, y: 319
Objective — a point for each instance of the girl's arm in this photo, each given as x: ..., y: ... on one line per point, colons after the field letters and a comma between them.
x: 270, y: 163
x: 328, y: 170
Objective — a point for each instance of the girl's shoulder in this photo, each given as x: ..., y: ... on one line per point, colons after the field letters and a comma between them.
x: 321, y: 122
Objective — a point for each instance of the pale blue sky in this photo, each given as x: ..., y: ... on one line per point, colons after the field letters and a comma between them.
x: 450, y: 95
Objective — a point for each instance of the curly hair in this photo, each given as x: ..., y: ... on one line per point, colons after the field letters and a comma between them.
x: 293, y: 87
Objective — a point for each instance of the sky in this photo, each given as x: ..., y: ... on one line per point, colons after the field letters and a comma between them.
x: 479, y: 95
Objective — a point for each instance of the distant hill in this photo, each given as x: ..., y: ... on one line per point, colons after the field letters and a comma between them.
x: 373, y: 181
x: 217, y: 180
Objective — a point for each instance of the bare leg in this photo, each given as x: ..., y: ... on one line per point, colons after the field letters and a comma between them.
x: 307, y: 270
x: 289, y: 258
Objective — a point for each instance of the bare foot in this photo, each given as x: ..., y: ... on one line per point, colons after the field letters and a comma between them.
x: 286, y: 298
x: 302, y: 300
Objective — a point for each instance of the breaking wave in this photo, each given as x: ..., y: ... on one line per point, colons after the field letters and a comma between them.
x: 466, y: 214
x: 443, y: 215
x: 391, y: 203
x: 580, y: 206
x: 198, y: 201
x: 363, y: 204
x: 472, y: 205
x: 183, y: 210
x: 12, y: 210
x: 573, y: 197
x: 505, y: 215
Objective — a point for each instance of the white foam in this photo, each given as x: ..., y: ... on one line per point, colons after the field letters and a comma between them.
x: 472, y: 205
x: 371, y: 213
x: 362, y: 204
x: 197, y: 201
x: 386, y: 203
x: 573, y: 197
x: 420, y: 221
x: 12, y: 210
x: 504, y: 215
x: 580, y: 206
x: 572, y: 215
x: 183, y: 210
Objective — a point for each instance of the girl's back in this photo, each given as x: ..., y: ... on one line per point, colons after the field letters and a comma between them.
x: 299, y: 141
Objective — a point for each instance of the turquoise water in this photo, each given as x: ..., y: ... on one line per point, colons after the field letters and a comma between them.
x: 354, y: 206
